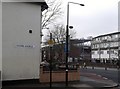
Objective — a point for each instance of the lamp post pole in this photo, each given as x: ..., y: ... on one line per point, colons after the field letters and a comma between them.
x: 67, y: 39
x: 67, y: 34
x: 50, y: 61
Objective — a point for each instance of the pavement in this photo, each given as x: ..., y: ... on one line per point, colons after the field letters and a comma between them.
x: 97, y: 81
x: 87, y: 80
x: 90, y: 67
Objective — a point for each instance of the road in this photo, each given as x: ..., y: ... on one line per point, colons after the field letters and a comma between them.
x: 110, y: 73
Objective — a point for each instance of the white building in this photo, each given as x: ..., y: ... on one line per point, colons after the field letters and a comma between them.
x: 105, y: 48
x: 21, y: 28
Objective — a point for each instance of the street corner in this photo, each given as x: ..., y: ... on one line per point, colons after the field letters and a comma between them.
x: 111, y: 84
x: 107, y: 83
x: 95, y: 80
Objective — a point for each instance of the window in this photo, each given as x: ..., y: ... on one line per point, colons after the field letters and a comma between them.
x: 30, y: 31
x: 70, y: 59
x: 96, y: 39
x: 116, y: 44
x: 93, y: 52
x: 100, y: 52
x: 99, y: 39
x: 105, y: 37
x: 115, y: 36
x: 76, y: 59
x: 97, y: 45
x: 111, y: 51
x: 102, y: 45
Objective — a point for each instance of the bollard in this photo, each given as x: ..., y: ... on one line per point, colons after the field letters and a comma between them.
x: 105, y: 68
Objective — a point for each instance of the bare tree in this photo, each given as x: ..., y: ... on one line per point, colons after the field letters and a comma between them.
x: 59, y: 34
x: 59, y: 37
x: 52, y: 13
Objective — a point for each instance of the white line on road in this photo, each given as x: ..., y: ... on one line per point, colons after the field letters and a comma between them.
x: 90, y: 67
x: 105, y: 78
x: 99, y: 75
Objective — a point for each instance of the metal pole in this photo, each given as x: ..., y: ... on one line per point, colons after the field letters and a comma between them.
x: 50, y: 62
x: 67, y: 34
x: 67, y: 38
x: 99, y: 53
x: 109, y: 51
x: 83, y: 50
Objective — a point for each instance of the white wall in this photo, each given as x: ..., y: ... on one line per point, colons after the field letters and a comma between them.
x: 95, y: 55
x: 104, y: 55
x: 21, y: 62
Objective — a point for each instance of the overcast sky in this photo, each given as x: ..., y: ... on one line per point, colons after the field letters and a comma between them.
x: 97, y: 17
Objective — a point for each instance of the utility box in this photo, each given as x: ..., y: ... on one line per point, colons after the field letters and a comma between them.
x: 21, y: 29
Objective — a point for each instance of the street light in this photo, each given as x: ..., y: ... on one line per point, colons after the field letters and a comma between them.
x: 67, y: 38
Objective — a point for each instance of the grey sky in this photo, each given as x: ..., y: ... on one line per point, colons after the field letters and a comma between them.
x: 95, y: 18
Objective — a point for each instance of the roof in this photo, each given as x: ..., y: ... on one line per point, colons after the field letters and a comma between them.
x: 107, y: 34
x: 37, y: 2
x: 76, y: 41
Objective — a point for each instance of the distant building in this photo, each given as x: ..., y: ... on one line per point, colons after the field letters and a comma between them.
x: 104, y: 48
x: 78, y: 51
x: 21, y: 28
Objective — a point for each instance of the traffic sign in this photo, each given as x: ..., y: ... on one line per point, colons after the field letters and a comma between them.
x: 65, y: 48
x: 50, y: 42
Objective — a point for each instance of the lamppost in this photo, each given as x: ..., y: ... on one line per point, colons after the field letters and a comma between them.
x: 67, y: 38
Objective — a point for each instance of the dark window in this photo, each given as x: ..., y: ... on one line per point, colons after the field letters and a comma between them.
x: 93, y: 52
x: 30, y: 31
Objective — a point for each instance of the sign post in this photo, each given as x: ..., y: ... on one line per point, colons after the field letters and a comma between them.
x: 50, y: 42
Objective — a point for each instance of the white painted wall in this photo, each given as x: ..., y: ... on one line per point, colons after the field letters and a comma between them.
x: 21, y: 62
x: 104, y: 55
x: 95, y: 55
x: 115, y: 54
